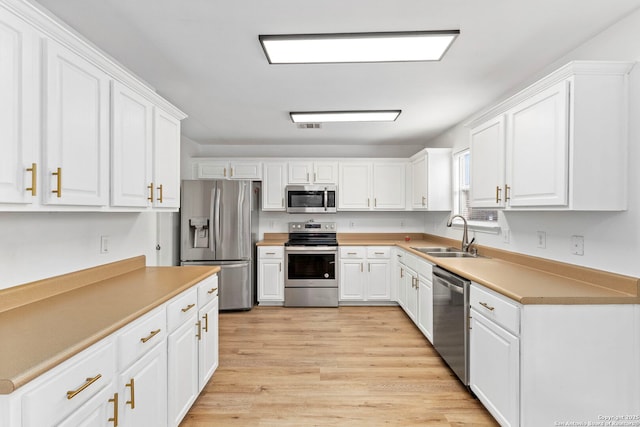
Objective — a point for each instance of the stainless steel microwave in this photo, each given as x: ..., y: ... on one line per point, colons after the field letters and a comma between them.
x: 311, y: 198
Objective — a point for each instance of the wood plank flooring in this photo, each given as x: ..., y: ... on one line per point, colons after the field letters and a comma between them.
x: 350, y: 366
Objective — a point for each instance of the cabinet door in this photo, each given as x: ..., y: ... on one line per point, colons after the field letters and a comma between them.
x: 494, y: 369
x: 401, y: 276
x: 19, y: 118
x: 131, y: 144
x: 76, y: 146
x: 419, y: 183
x: 425, y: 307
x: 212, y: 170
x: 182, y: 384
x: 355, y: 186
x: 537, y: 149
x: 488, y: 164
x: 300, y: 172
x: 325, y: 172
x: 100, y: 411
x: 389, y: 186
x: 274, y: 181
x: 270, y: 280
x: 143, y: 389
x: 245, y: 170
x: 411, y: 306
x: 378, y: 286
x: 352, y: 280
x: 208, y: 344
x: 166, y: 160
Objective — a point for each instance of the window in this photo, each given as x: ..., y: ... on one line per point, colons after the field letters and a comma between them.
x: 462, y: 201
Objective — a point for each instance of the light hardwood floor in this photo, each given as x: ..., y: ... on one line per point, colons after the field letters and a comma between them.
x: 350, y: 366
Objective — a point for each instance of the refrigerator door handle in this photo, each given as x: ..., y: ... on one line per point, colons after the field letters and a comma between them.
x: 241, y: 224
x: 216, y: 218
x: 212, y: 216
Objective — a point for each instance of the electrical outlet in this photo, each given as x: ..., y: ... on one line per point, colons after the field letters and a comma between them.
x: 506, y: 235
x: 542, y: 239
x: 352, y: 224
x: 577, y: 245
x: 104, y: 244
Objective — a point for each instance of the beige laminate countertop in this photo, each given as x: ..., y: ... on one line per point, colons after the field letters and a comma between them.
x: 527, y: 280
x: 45, y: 332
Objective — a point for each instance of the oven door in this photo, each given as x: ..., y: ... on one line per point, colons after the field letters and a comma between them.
x: 310, y: 267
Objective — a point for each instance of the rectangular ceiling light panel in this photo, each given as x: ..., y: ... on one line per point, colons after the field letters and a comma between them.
x: 344, y: 116
x: 357, y: 47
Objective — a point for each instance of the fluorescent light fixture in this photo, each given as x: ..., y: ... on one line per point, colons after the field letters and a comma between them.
x: 357, y: 47
x: 344, y: 116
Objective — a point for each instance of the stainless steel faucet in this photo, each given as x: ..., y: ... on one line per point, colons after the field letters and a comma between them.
x: 465, y: 244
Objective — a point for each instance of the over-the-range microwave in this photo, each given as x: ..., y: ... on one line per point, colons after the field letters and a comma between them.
x: 311, y: 198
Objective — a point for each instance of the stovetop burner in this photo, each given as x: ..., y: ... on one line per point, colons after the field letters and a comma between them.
x: 312, y: 234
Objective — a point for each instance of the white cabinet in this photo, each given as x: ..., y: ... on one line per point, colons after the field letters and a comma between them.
x: 365, y: 273
x: 372, y: 186
x: 273, y: 185
x: 425, y: 303
x: 76, y: 132
x: 166, y: 160
x: 182, y: 348
x: 208, y: 342
x: 228, y: 169
x: 494, y: 349
x: 131, y: 148
x: 19, y: 120
x: 306, y: 172
x: 102, y: 410
x: 537, y: 150
x: 431, y: 179
x: 271, y: 275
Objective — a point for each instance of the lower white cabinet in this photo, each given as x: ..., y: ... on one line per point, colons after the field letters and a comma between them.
x: 271, y: 275
x: 425, y: 306
x: 102, y: 410
x: 208, y: 342
x: 415, y: 290
x: 365, y: 273
x: 182, y: 345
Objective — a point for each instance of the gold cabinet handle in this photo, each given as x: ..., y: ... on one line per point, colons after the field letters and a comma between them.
x: 199, y: 334
x: 34, y: 178
x: 73, y: 393
x: 150, y: 187
x: 307, y: 176
x: 58, y: 174
x: 375, y: 202
x: 132, y: 386
x: 212, y: 290
x: 224, y: 172
x: 280, y: 267
x: 424, y: 201
x: 114, y: 420
x: 206, y: 322
x: 151, y: 335
x: 487, y: 306
x: 361, y: 267
x: 351, y: 253
x: 160, y: 193
x: 369, y: 267
x: 498, y: 191
x: 282, y: 204
x: 315, y: 177
x: 506, y: 192
x: 368, y: 205
x: 401, y: 272
x: 187, y: 308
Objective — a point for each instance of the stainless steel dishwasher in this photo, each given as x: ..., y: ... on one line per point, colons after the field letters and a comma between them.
x: 450, y: 319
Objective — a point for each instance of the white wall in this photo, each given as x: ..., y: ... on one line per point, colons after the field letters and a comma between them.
x: 38, y: 245
x: 612, y: 240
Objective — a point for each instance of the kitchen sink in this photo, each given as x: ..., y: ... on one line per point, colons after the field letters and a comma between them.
x: 436, y: 249
x: 458, y: 254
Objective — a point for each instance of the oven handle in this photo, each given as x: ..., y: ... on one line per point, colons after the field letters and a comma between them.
x: 326, y: 199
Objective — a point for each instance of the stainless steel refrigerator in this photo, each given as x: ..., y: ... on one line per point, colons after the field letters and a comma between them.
x: 219, y: 226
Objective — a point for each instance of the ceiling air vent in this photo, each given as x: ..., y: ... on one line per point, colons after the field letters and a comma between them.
x: 308, y: 125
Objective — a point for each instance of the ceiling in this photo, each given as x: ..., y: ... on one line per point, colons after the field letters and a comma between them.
x: 204, y: 56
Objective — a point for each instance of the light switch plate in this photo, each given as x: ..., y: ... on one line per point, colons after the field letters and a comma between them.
x: 104, y: 244
x: 577, y: 245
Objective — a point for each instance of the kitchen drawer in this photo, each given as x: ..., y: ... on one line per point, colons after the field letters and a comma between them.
x: 400, y: 253
x: 141, y: 336
x: 378, y: 252
x: 270, y: 252
x: 68, y: 386
x: 423, y: 267
x: 353, y: 252
x: 495, y: 307
x: 207, y: 290
x: 182, y: 308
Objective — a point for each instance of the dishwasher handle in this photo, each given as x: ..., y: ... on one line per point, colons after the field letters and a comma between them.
x: 449, y: 277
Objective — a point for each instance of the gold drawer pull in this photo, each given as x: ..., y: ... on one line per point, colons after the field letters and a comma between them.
x: 150, y: 187
x: 206, y: 322
x: 58, y: 174
x: 151, y: 335
x: 212, y: 290
x: 506, y: 192
x: 487, y: 306
x: 34, y: 178
x: 498, y: 190
x: 73, y: 393
x: 132, y: 386
x: 187, y: 308
x: 114, y: 420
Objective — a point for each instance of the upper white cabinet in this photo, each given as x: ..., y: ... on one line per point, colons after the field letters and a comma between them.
x: 313, y: 172
x: 166, y: 160
x: 19, y: 132
x: 273, y: 184
x: 559, y: 144
x: 372, y: 186
x: 76, y: 129
x: 228, y: 169
x: 431, y: 180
